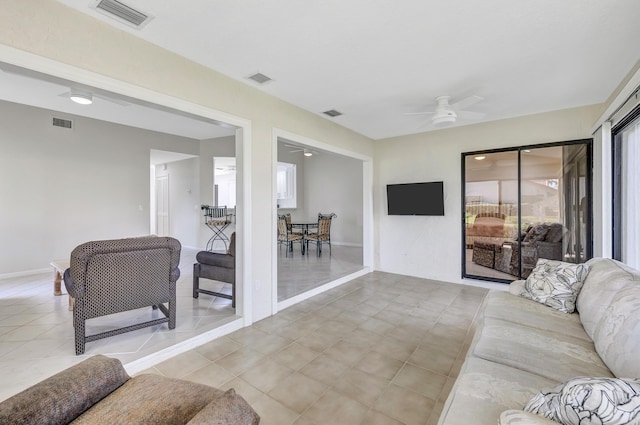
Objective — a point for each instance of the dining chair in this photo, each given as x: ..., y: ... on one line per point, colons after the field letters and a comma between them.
x: 322, y: 234
x: 287, y: 238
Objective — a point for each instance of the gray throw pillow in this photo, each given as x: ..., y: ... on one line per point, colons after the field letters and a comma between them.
x: 555, y: 284
x: 584, y: 400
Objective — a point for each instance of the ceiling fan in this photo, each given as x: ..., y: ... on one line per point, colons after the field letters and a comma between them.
x: 447, y: 113
x: 306, y: 151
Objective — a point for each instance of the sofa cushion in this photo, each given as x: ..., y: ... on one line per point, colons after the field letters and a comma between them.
x: 549, y: 354
x: 506, y: 306
x: 555, y: 233
x: 520, y: 417
x: 484, y: 389
x: 604, y: 401
x: 617, y: 337
x: 151, y: 399
x: 62, y: 397
x: 537, y: 233
x: 228, y: 409
x: 555, y: 284
x: 605, y: 279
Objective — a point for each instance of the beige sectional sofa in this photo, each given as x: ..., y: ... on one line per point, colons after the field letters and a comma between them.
x: 521, y: 347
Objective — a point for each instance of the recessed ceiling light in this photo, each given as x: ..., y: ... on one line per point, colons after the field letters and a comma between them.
x: 81, y: 98
x: 480, y: 158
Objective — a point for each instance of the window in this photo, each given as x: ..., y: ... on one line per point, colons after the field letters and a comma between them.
x: 626, y: 180
x: 286, y: 185
x: 523, y: 204
x: 224, y: 181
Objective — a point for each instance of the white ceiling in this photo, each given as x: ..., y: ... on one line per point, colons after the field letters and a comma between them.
x: 374, y: 60
x: 43, y: 91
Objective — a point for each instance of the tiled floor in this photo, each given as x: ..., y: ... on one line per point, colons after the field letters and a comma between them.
x: 299, y: 273
x: 381, y: 349
x: 36, y: 332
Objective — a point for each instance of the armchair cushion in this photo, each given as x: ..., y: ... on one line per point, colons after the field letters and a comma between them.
x: 216, y: 259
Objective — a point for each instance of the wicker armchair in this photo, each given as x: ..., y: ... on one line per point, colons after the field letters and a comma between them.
x: 288, y: 238
x: 114, y: 276
x: 323, y: 234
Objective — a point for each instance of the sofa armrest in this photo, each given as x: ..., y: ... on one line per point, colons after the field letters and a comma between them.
x: 228, y: 409
x: 516, y: 287
x: 65, y: 396
x: 520, y: 417
x: 216, y: 259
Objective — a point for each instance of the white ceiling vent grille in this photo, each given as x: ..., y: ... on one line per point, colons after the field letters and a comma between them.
x: 123, y: 13
x: 260, y: 78
x: 332, y: 113
x: 61, y: 122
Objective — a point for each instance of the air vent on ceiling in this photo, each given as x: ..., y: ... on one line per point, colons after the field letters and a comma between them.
x: 61, y: 122
x: 122, y: 12
x: 332, y: 113
x: 259, y: 78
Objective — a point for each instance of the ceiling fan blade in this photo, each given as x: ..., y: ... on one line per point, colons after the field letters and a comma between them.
x: 466, y: 102
x: 470, y: 115
x: 419, y: 113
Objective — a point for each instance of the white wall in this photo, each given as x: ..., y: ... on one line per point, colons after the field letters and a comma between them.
x: 335, y: 185
x: 60, y: 188
x: 184, y: 197
x: 430, y: 247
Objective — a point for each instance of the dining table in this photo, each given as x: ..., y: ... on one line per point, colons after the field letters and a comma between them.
x: 304, y: 226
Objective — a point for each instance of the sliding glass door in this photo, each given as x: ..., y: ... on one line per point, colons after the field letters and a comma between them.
x: 626, y: 182
x: 523, y: 204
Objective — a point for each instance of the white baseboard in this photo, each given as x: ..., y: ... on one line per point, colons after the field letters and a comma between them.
x: 320, y: 289
x: 26, y: 273
x: 151, y: 360
x: 356, y: 245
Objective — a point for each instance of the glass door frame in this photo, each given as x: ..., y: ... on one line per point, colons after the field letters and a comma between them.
x: 519, y: 149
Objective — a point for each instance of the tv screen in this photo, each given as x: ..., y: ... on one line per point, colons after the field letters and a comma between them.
x: 415, y: 198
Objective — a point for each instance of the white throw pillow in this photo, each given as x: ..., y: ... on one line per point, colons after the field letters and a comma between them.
x: 555, y: 284
x: 586, y: 401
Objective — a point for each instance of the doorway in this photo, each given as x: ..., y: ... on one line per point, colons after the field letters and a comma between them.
x: 162, y: 206
x: 326, y: 180
x: 523, y: 204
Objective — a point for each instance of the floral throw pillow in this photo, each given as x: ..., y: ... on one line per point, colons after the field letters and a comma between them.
x: 583, y: 400
x: 555, y: 284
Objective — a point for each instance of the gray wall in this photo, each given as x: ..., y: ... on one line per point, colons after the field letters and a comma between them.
x: 60, y: 188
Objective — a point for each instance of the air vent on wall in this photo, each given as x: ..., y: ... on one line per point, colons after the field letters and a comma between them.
x: 332, y: 113
x: 61, y: 122
x: 259, y: 78
x: 123, y: 13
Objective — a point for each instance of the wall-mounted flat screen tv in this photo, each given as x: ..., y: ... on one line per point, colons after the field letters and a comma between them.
x: 415, y: 198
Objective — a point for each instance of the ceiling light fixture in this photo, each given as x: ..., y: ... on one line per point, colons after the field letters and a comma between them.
x: 81, y: 98
x: 480, y: 158
x: 307, y: 153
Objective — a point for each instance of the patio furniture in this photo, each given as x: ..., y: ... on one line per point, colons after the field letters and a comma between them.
x: 217, y: 218
x: 323, y: 233
x: 114, y: 276
x: 288, y: 238
x: 216, y: 266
